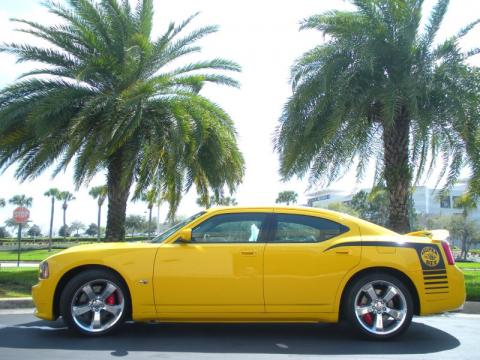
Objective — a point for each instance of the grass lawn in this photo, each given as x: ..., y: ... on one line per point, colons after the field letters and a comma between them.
x: 33, y: 255
x: 17, y: 282
x: 468, y: 265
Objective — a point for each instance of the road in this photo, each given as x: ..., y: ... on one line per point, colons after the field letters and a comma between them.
x: 451, y: 336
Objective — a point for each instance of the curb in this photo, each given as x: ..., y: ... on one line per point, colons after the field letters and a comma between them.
x: 16, y: 303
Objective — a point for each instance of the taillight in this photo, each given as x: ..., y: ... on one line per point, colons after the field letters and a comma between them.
x: 448, y: 253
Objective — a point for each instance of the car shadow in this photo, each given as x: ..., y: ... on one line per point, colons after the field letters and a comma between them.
x: 306, y: 339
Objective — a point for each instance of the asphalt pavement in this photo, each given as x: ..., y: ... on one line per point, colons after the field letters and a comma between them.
x: 450, y: 336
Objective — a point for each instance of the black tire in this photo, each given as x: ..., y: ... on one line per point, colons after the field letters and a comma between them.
x: 401, y: 302
x: 73, y: 294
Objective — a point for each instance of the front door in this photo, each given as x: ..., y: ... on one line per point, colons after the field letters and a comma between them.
x: 300, y: 275
x: 219, y: 271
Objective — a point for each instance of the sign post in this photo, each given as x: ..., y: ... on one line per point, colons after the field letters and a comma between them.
x: 20, y: 216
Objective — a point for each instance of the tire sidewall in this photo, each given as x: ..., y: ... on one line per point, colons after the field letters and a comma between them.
x: 78, y: 281
x: 352, y: 291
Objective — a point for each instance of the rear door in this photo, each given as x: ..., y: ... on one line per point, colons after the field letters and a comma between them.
x: 300, y: 274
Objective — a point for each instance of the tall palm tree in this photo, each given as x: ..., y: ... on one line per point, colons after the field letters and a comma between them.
x: 116, y: 101
x: 151, y: 197
x: 380, y: 89
x: 66, y: 197
x: 21, y: 200
x: 100, y: 194
x: 287, y: 197
x: 54, y: 194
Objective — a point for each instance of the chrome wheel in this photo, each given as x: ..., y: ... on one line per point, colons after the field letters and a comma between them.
x: 380, y: 307
x: 97, y: 305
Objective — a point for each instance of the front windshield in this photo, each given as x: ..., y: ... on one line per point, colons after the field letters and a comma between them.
x: 174, y: 228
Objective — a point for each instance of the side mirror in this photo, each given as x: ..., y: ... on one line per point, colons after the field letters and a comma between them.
x: 186, y: 235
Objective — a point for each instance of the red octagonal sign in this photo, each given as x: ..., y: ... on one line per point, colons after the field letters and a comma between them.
x: 21, y: 215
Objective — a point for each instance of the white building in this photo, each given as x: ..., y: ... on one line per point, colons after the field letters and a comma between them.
x: 426, y: 200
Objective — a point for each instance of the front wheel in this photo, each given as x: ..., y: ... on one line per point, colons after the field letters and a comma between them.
x: 94, y: 302
x: 379, y: 305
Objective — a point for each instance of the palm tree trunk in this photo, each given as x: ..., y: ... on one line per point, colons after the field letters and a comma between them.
x: 51, y: 225
x: 118, y: 192
x: 397, y: 172
x: 98, y: 221
x: 149, y: 222
x: 64, y: 222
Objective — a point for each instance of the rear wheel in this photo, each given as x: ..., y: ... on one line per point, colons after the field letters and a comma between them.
x: 94, y: 302
x: 379, y: 305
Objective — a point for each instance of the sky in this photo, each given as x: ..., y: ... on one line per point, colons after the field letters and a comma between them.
x: 263, y: 37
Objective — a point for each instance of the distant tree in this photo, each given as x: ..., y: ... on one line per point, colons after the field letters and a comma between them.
x: 216, y: 200
x: 4, y: 233
x: 99, y: 193
x: 54, y: 194
x: 467, y: 231
x: 64, y: 231
x: 287, y: 197
x: 21, y: 200
x: 2, y: 202
x: 34, y: 231
x: 92, y: 230
x: 65, y: 196
x: 372, y: 206
x: 135, y: 223
x: 10, y: 223
x: 76, y: 227
x: 343, y: 208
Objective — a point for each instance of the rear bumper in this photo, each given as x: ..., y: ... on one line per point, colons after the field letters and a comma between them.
x: 451, y: 300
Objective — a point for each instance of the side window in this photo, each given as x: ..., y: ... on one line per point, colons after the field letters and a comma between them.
x: 230, y: 228
x: 305, y: 229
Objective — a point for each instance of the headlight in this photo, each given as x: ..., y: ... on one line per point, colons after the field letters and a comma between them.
x: 43, y: 272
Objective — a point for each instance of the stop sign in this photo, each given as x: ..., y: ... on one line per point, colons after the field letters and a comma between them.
x: 21, y: 215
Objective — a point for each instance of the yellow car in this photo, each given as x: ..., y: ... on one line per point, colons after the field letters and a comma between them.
x: 279, y: 264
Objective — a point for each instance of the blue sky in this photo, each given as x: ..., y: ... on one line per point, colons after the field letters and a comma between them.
x: 263, y: 37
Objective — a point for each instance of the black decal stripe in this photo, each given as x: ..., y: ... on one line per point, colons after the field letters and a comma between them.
x: 374, y: 243
x: 434, y: 272
x: 433, y: 278
x: 436, y: 282
x: 436, y: 287
x: 437, y: 292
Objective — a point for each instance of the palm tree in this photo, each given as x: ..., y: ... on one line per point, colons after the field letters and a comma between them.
x: 99, y: 193
x: 380, y: 89
x: 21, y: 200
x: 151, y: 197
x: 65, y: 196
x: 54, y: 194
x: 115, y: 100
x: 287, y: 197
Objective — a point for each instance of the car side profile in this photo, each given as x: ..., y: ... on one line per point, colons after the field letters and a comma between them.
x: 281, y: 264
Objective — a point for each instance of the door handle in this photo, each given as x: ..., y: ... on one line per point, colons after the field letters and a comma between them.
x: 344, y: 252
x: 248, y: 253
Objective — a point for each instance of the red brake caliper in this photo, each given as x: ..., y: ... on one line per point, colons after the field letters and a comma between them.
x: 368, y: 318
x: 110, y: 300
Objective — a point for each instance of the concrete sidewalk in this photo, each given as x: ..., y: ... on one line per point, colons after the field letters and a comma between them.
x: 12, y: 264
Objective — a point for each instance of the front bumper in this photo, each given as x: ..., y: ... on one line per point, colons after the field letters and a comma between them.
x: 42, y: 296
